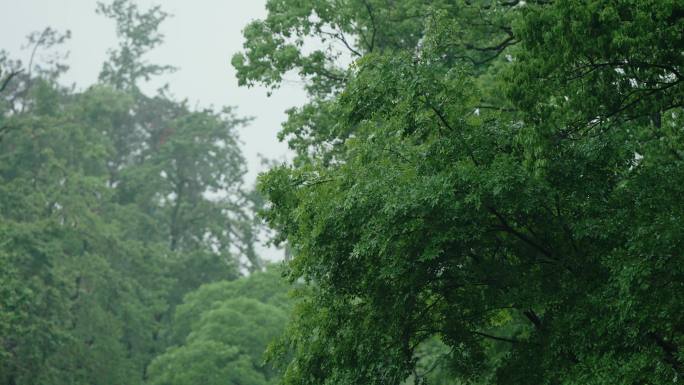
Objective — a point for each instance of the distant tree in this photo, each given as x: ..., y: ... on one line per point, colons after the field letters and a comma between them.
x: 222, y: 330
x: 113, y: 205
x: 138, y: 33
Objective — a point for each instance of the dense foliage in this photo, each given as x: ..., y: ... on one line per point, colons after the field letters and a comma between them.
x: 113, y: 206
x: 485, y: 191
x: 222, y: 330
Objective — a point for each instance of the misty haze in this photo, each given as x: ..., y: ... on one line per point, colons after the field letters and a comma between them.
x: 338, y: 192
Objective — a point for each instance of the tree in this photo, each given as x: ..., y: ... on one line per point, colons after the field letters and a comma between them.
x: 138, y: 32
x: 113, y: 205
x: 344, y: 31
x: 182, y: 167
x: 467, y: 202
x: 68, y: 259
x: 222, y: 330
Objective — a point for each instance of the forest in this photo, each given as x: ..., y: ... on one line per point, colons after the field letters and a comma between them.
x: 480, y: 192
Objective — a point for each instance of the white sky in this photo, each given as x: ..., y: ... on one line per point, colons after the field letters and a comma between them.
x: 200, y: 38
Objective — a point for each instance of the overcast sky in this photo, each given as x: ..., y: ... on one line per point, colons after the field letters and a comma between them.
x: 200, y: 38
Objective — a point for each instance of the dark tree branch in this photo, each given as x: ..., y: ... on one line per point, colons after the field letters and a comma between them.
x: 496, y: 108
x: 509, y: 229
x: 498, y: 48
x: 497, y: 338
x: 671, y: 352
x: 369, y: 9
x: 7, y: 80
x: 442, y: 118
x: 533, y: 317
x: 646, y: 92
x: 339, y: 35
x: 330, y: 75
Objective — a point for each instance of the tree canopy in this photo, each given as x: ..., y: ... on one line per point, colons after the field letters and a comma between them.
x: 495, y: 182
x: 483, y: 192
x: 222, y: 330
x: 114, y: 204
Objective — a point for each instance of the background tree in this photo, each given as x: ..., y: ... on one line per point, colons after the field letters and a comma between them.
x: 113, y: 205
x: 222, y: 330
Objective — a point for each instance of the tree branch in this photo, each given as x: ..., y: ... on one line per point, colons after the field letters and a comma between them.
x: 497, y: 338
x: 7, y: 80
x: 369, y: 9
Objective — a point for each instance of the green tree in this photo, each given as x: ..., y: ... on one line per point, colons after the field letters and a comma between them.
x: 340, y: 33
x: 70, y: 259
x: 113, y: 205
x: 222, y: 330
x: 521, y: 205
x: 138, y: 33
x: 183, y: 168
